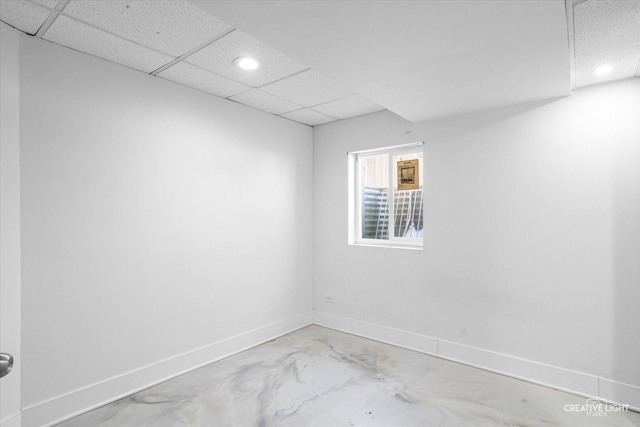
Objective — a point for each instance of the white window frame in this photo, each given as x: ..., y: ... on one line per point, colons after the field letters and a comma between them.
x: 355, y: 198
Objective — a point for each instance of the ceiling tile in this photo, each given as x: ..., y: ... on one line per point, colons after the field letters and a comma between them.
x: 308, y: 116
x: 51, y: 4
x: 265, y: 102
x: 23, y: 15
x: 601, y: 26
x: 218, y: 57
x: 84, y: 38
x: 197, y: 78
x: 307, y: 89
x: 350, y: 106
x: 624, y: 62
x: 172, y: 27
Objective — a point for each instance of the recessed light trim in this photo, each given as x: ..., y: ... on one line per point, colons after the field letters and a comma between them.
x: 603, y: 69
x: 246, y: 63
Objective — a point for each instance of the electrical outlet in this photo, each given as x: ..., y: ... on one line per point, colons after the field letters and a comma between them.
x: 330, y: 298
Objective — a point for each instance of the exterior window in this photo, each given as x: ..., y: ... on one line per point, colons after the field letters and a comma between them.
x: 386, y: 203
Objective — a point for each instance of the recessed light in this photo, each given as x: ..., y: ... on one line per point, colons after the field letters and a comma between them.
x: 246, y: 63
x: 603, y: 69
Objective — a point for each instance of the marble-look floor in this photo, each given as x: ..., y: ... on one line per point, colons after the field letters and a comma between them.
x: 320, y: 377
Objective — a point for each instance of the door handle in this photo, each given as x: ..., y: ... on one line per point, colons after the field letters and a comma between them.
x: 6, y: 364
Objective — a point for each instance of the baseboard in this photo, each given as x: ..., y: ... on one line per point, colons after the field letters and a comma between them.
x: 617, y: 392
x: 579, y: 383
x: 13, y: 421
x: 79, y: 401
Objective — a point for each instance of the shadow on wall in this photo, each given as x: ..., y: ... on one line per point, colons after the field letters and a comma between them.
x: 482, y: 119
x: 626, y: 252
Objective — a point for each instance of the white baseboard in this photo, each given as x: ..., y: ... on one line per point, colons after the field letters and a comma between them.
x: 79, y: 401
x: 82, y: 400
x: 579, y: 383
x: 617, y: 392
x: 12, y: 421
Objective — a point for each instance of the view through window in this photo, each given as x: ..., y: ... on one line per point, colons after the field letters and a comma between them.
x: 388, y: 196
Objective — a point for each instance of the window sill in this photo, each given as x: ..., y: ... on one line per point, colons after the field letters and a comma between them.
x: 388, y: 245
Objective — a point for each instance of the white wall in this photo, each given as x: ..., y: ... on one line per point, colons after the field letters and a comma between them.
x: 10, y: 222
x: 135, y: 257
x: 532, y: 239
x: 157, y: 220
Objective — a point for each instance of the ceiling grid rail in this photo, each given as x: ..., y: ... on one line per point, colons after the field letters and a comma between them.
x: 52, y: 17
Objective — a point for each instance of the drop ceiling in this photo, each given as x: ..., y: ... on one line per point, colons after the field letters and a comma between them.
x: 606, y: 32
x: 325, y: 61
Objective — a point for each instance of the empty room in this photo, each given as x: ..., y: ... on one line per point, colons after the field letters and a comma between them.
x: 319, y: 213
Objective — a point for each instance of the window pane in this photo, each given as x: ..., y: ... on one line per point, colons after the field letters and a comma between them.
x: 374, y: 190
x: 408, y: 206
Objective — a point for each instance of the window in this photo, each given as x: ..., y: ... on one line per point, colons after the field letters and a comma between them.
x: 385, y: 196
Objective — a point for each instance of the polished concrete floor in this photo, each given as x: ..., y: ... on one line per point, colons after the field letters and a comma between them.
x: 320, y: 377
